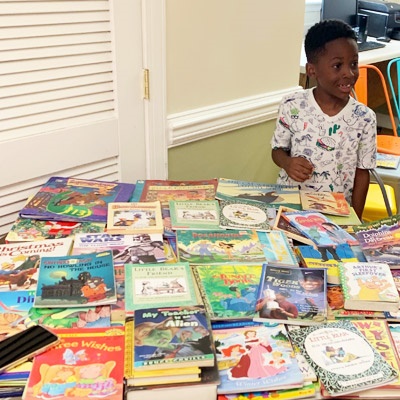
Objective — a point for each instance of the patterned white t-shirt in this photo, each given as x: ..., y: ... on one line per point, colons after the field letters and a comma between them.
x: 336, y: 145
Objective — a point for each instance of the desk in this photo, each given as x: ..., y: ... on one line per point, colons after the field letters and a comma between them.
x: 391, y: 177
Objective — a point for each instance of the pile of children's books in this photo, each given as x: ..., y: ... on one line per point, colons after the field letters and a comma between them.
x: 215, y: 289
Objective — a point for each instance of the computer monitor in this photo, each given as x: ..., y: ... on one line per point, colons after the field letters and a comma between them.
x: 346, y: 10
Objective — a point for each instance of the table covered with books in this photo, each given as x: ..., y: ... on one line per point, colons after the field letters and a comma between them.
x: 214, y: 289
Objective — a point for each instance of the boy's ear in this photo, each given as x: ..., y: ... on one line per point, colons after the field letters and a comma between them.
x: 310, y: 70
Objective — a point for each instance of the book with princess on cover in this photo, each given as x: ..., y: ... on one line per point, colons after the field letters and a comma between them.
x: 74, y: 199
x: 87, y: 364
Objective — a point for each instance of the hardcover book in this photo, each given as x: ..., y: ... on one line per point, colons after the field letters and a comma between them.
x: 292, y: 295
x: 216, y: 246
x: 133, y: 218
x: 325, y: 202
x: 76, y: 281
x: 87, y: 364
x: 229, y: 291
x: 19, y: 262
x: 152, y: 285
x: 73, y: 199
x: 368, y: 286
x: 167, y: 337
x: 254, y: 357
x: 242, y: 214
x: 342, y: 357
x: 273, y: 194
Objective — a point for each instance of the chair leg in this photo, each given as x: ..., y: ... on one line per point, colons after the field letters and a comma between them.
x: 383, y: 190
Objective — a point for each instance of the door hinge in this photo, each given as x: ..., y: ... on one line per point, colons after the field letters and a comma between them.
x: 146, y: 85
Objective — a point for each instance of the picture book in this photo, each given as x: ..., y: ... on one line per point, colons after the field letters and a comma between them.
x: 229, y: 291
x: 28, y: 229
x: 200, y: 214
x: 292, y: 295
x: 216, y: 246
x: 254, y: 357
x: 379, y: 240
x: 277, y: 249
x: 325, y: 202
x: 245, y: 214
x: 144, y: 248
x: 319, y: 228
x: 133, y: 218
x: 326, y: 257
x: 394, y: 316
x: 74, y: 199
x: 19, y: 262
x: 273, y: 194
x: 395, y: 334
x: 346, y: 222
x: 76, y: 281
x: 342, y: 357
x: 368, y: 286
x: 167, y: 337
x: 87, y: 364
x: 387, y: 161
x: 152, y: 285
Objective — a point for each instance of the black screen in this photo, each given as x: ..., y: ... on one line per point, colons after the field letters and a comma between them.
x: 346, y: 10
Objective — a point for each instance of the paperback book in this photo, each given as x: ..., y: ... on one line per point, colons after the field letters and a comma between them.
x: 229, y: 291
x: 273, y: 194
x: 148, y: 286
x: 368, y: 286
x: 342, y: 357
x: 216, y: 246
x: 389, y: 161
x: 292, y: 295
x: 325, y: 202
x: 76, y: 281
x: 73, y: 199
x: 254, y: 357
x: 167, y: 337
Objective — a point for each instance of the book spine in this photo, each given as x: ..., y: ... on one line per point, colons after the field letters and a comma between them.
x: 128, y: 358
x: 343, y: 281
x: 202, y: 292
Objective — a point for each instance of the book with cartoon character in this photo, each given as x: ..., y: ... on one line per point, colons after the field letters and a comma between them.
x: 76, y: 281
x: 325, y: 202
x: 87, y: 364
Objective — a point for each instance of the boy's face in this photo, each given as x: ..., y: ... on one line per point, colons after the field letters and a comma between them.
x: 311, y: 284
x: 335, y: 70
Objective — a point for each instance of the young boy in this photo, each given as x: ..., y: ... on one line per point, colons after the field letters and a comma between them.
x: 324, y: 139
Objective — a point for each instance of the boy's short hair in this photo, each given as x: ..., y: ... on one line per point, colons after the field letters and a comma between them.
x: 323, y: 32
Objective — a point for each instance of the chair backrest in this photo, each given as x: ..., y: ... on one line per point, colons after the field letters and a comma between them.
x: 393, y: 78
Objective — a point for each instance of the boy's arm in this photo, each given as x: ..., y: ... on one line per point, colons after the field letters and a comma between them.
x: 360, y: 190
x: 298, y: 168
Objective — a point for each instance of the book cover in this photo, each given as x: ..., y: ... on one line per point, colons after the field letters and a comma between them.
x: 74, y: 199
x: 167, y: 337
x: 347, y: 222
x: 395, y: 334
x: 319, y: 228
x: 19, y: 262
x: 342, y: 357
x: 216, y: 246
x: 325, y: 202
x: 394, y: 316
x: 229, y: 291
x: 254, y: 357
x: 292, y: 295
x: 379, y: 240
x: 87, y: 364
x: 200, y: 214
x: 144, y: 248
x: 152, y: 285
x: 368, y: 286
x: 326, y: 257
x: 76, y: 281
x: 273, y: 194
x: 242, y: 214
x: 390, y: 161
x: 28, y: 229
x: 134, y: 217
x: 277, y: 249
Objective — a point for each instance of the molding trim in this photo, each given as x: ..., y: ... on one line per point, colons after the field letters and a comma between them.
x: 201, y: 123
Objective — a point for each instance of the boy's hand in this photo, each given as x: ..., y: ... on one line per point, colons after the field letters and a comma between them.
x: 299, y: 168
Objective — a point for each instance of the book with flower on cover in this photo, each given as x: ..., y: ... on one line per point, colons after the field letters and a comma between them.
x: 325, y: 202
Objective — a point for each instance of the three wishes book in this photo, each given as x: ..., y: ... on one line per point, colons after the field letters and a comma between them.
x: 292, y: 295
x: 368, y: 286
x: 229, y: 291
x: 168, y: 337
x: 219, y: 246
x: 325, y: 202
x: 74, y: 199
x: 342, y: 357
x: 254, y: 357
x: 87, y: 364
x: 148, y: 286
x: 134, y: 217
x: 76, y: 281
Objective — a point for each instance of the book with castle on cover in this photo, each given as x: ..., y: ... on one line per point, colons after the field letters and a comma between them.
x: 86, y: 364
x: 74, y: 199
x: 325, y: 202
